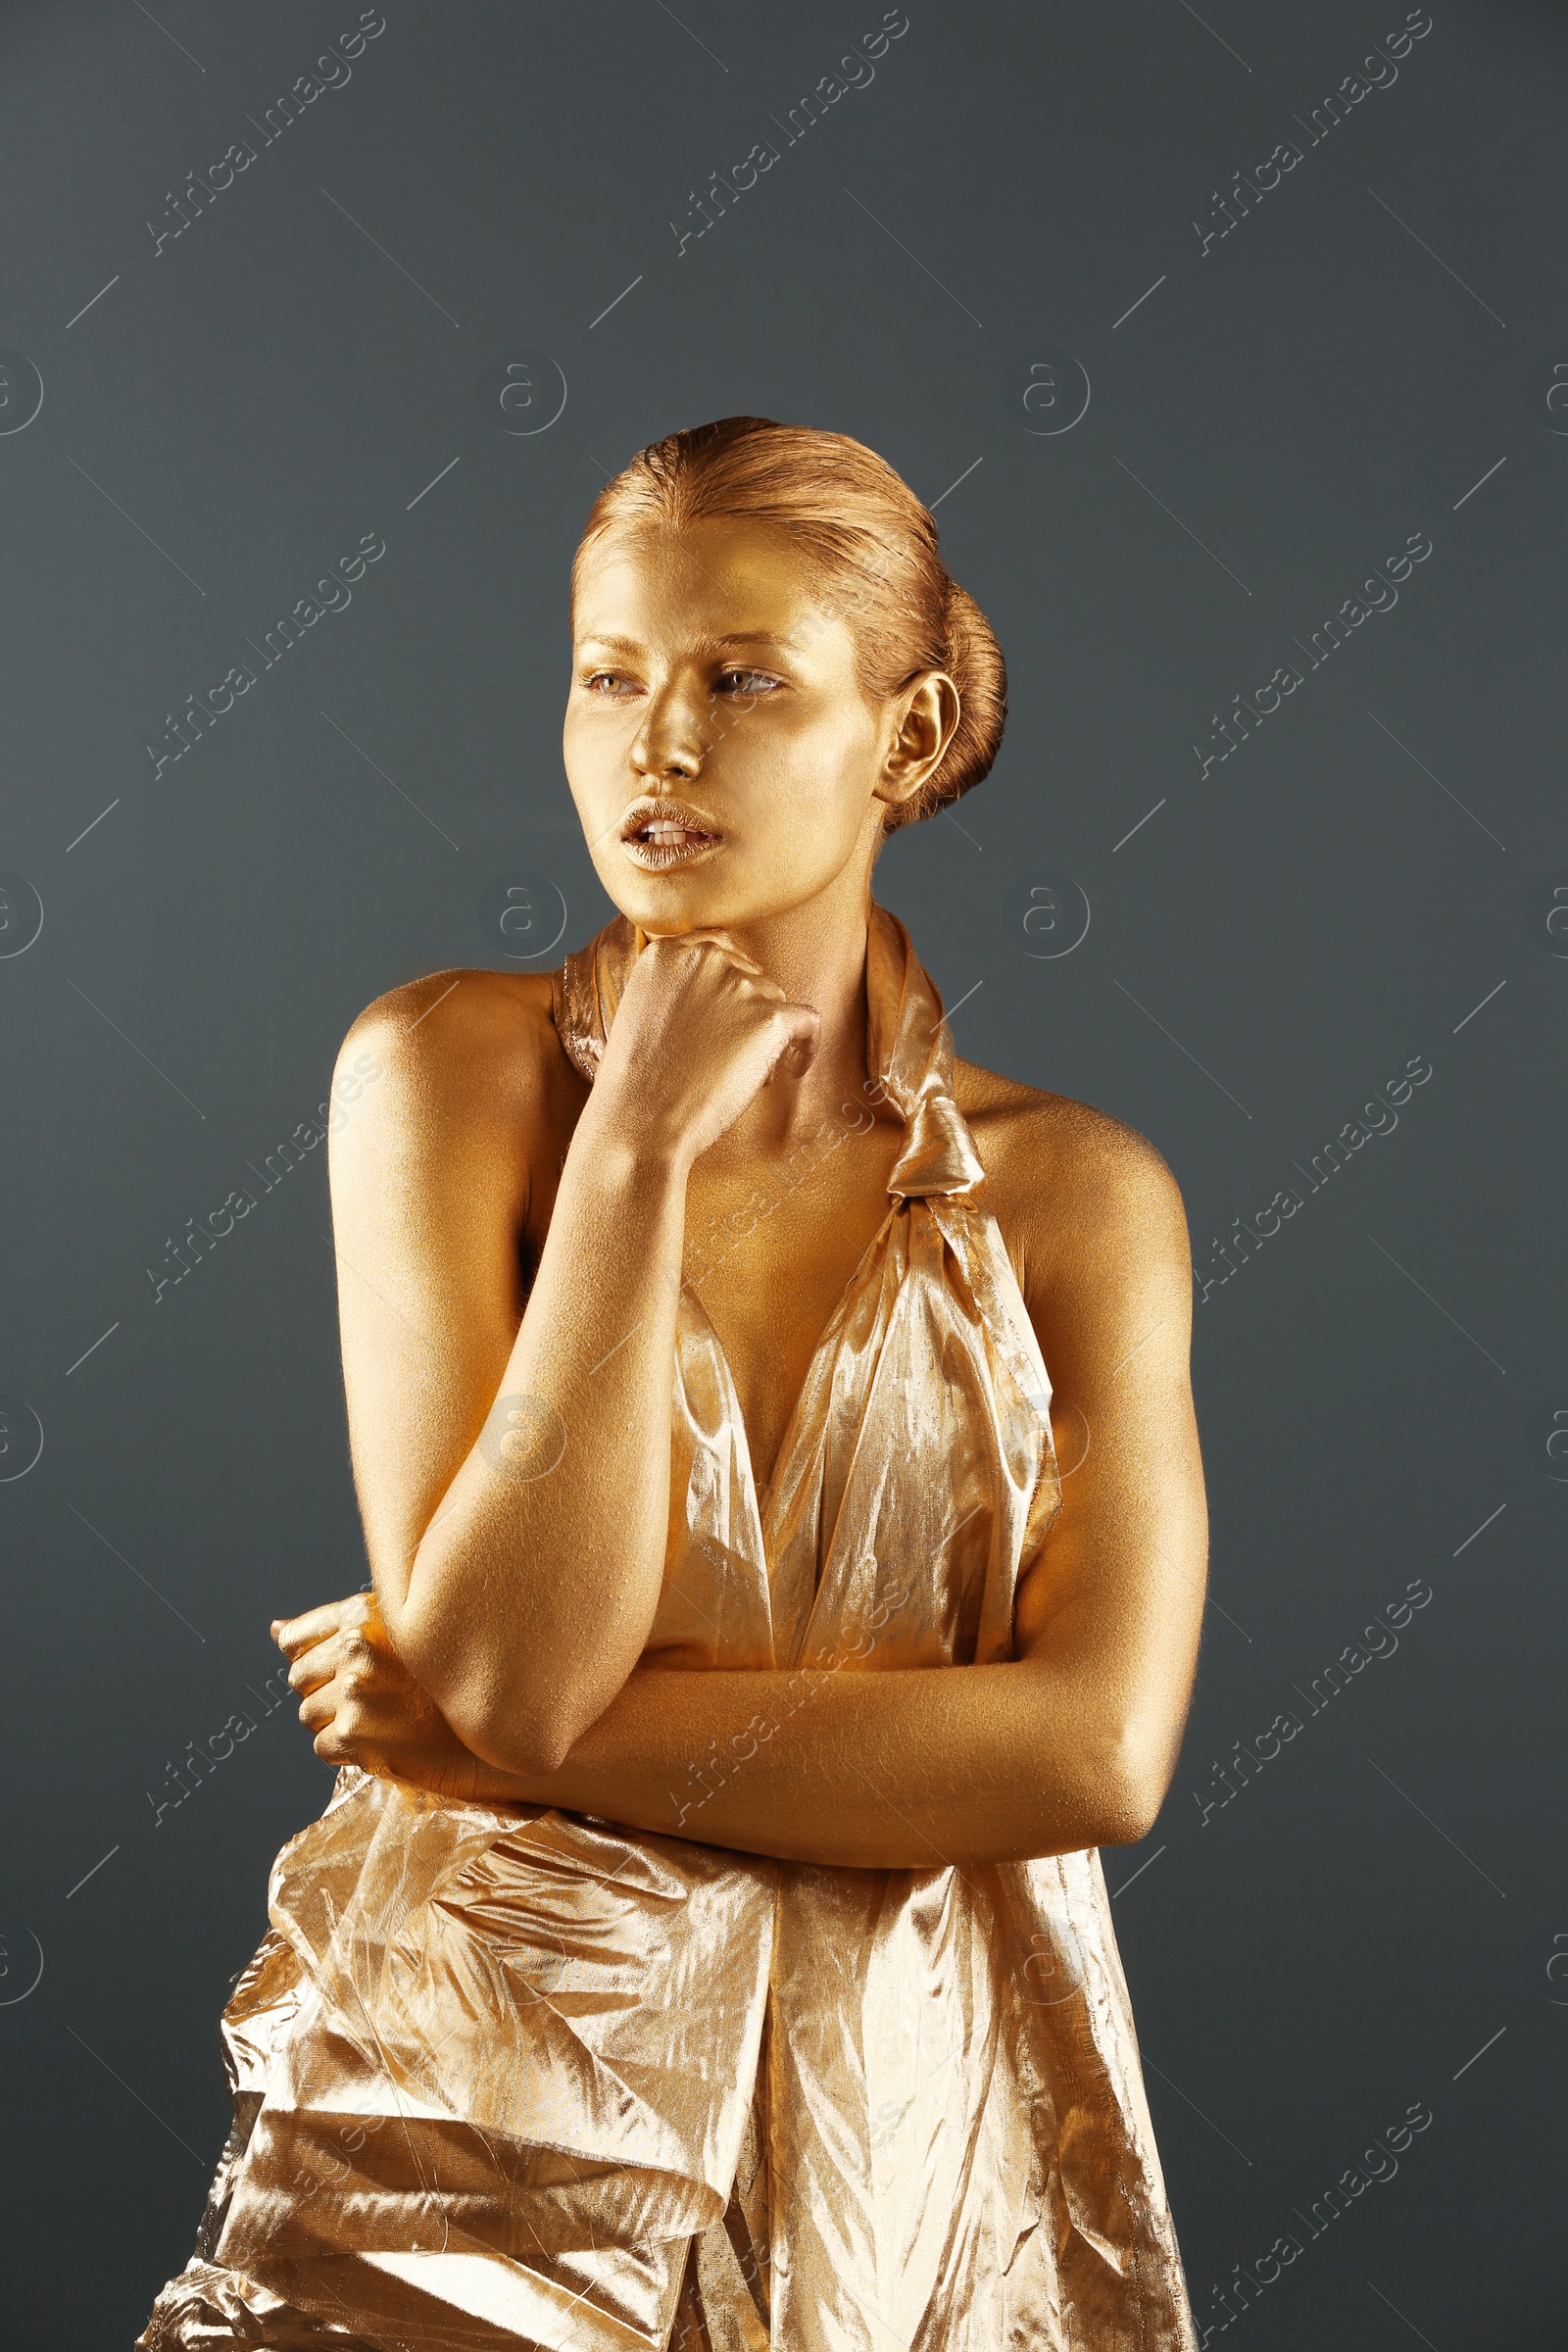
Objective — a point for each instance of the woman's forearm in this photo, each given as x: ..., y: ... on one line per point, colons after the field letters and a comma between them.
x: 913, y: 1768
x: 559, y: 1517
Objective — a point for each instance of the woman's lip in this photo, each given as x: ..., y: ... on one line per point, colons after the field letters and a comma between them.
x: 680, y: 850
x: 670, y: 828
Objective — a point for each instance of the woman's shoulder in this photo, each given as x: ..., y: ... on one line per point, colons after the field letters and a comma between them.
x: 1063, y: 1172
x: 467, y: 1041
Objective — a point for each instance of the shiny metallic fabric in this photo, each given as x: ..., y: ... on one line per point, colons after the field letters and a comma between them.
x: 513, y: 2076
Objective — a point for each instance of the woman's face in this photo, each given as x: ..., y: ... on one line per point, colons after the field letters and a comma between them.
x: 724, y: 759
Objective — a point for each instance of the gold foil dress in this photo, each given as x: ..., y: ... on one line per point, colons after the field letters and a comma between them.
x: 509, y: 2076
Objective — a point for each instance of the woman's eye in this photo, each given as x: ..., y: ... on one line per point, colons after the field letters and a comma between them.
x: 615, y: 686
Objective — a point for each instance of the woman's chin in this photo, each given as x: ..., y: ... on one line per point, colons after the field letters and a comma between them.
x: 714, y: 892
x: 677, y: 899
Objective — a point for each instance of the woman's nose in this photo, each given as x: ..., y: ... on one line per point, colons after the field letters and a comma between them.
x: 670, y: 742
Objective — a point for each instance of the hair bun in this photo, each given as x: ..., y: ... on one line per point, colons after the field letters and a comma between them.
x: 979, y: 672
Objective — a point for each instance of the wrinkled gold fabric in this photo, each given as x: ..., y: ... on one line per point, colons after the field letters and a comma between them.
x: 513, y: 2076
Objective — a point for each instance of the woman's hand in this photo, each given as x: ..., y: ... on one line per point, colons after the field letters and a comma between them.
x: 699, y: 1030
x: 363, y: 1705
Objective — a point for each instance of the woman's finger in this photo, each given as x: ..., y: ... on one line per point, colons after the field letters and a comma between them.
x: 320, y: 1661
x: 350, y: 1738
x: 295, y: 1633
x: 709, y: 937
x: 318, y: 1708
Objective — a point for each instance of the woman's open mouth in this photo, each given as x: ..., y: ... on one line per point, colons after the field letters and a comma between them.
x: 658, y: 834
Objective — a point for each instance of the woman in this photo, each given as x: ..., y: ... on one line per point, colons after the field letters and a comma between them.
x: 681, y: 1960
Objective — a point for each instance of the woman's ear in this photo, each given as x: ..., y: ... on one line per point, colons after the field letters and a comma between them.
x: 924, y: 719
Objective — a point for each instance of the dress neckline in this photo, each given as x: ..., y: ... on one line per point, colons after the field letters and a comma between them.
x: 795, y: 1431
x: 910, y: 1053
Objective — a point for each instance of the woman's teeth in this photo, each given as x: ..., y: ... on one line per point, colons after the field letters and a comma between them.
x: 670, y: 839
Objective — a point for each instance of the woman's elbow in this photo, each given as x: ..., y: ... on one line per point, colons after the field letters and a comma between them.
x: 1129, y: 1814
x: 516, y: 1729
x: 519, y: 1731
x: 1132, y: 1787
x: 516, y: 1738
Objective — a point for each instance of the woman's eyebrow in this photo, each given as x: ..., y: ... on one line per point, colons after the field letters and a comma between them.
x: 631, y: 645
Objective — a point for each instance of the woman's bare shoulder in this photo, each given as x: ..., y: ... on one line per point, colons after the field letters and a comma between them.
x: 1063, y: 1174
x: 469, y: 1044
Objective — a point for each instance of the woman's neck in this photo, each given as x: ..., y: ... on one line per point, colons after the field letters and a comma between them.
x: 816, y: 955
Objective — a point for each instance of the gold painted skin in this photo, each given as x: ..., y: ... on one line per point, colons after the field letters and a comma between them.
x: 445, y: 1188
x: 445, y: 1194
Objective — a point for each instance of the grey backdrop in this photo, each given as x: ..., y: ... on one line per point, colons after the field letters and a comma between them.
x: 1011, y: 207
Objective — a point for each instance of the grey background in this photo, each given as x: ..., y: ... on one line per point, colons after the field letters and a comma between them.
x: 1374, y: 1386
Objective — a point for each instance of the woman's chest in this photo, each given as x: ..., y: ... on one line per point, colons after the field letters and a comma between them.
x: 772, y: 1248
x: 854, y: 1460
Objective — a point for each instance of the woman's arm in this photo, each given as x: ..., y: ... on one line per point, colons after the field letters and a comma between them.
x: 432, y: 1183
x: 1070, y: 1744
x: 511, y: 1462
x: 1073, y: 1742
x: 910, y: 1769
